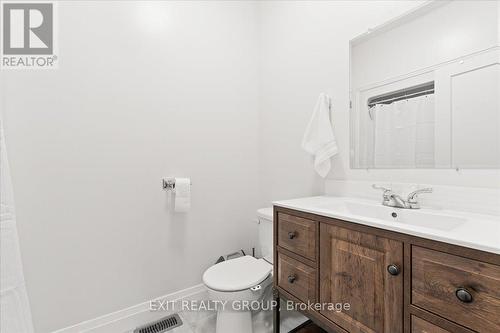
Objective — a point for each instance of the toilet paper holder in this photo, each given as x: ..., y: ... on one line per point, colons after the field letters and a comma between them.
x: 168, y: 183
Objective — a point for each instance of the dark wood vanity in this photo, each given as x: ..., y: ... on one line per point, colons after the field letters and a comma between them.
x: 392, y: 282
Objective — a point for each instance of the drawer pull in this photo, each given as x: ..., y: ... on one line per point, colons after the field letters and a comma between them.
x: 291, y: 278
x: 292, y: 234
x: 463, y: 295
x: 393, y: 269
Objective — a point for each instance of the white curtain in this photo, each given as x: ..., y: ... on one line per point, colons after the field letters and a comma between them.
x: 15, y: 313
x: 404, y: 133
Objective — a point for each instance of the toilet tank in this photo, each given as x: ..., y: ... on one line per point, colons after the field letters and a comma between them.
x: 265, y: 221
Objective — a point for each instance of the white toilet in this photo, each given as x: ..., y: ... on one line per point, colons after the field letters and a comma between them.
x: 242, y: 281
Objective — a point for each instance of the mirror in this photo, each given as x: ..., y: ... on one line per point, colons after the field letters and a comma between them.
x: 425, y: 89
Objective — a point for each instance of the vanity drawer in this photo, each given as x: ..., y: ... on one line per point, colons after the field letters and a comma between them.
x: 442, y: 283
x: 298, y: 235
x: 296, y: 278
x: 419, y: 325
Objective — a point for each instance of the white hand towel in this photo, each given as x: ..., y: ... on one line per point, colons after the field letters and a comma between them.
x: 319, y: 139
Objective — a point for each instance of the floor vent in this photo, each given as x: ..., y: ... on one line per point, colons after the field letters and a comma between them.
x: 160, y: 326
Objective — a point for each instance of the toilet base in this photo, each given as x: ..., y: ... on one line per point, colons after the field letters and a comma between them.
x: 230, y: 321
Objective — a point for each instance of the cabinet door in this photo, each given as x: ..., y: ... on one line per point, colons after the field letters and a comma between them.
x: 354, y: 269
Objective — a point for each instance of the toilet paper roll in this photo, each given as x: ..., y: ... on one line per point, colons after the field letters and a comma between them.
x: 182, y: 195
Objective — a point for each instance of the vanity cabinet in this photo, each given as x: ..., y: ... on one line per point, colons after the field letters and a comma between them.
x: 392, y: 282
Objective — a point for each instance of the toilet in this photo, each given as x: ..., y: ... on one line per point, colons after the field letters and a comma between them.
x: 242, y: 281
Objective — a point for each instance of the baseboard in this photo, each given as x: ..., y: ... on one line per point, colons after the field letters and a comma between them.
x: 127, y: 313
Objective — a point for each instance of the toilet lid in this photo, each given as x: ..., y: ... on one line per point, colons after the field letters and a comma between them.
x: 237, y: 274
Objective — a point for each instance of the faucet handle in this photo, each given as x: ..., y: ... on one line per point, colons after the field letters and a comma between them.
x: 387, y: 192
x: 412, y: 197
x: 379, y: 187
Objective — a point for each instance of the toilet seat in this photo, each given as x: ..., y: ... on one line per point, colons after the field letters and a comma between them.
x: 237, y: 274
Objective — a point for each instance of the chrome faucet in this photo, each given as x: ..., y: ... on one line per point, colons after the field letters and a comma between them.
x: 391, y: 199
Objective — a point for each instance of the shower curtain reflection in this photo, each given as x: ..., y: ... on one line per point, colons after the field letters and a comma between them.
x: 404, y: 133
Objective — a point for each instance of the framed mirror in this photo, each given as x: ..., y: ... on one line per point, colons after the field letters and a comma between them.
x: 425, y: 89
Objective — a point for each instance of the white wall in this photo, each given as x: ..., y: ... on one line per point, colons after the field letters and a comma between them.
x: 305, y: 50
x: 143, y: 90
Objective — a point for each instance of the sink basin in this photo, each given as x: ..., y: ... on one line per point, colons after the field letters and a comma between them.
x: 415, y: 217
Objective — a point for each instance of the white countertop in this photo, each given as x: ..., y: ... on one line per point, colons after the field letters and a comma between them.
x: 476, y: 231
